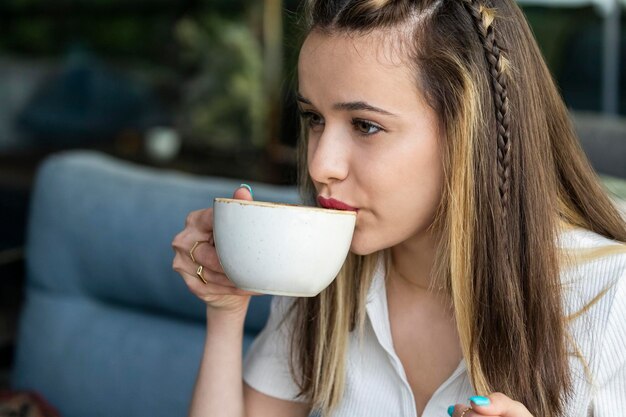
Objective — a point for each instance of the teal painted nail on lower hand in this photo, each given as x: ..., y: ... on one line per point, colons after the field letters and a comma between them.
x: 480, y: 400
x: 450, y: 410
x: 249, y: 189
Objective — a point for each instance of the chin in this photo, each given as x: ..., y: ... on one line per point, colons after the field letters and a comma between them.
x: 359, y: 248
x: 357, y: 252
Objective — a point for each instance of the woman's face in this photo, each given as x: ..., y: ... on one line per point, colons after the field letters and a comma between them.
x: 373, y: 141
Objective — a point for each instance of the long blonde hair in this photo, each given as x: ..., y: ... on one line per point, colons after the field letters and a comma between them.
x: 514, y: 172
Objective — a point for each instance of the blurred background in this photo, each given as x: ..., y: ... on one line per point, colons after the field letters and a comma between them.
x: 202, y: 87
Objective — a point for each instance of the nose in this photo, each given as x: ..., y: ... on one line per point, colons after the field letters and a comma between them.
x: 328, y: 156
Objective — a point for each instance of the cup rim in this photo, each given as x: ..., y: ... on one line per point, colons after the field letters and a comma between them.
x: 281, y: 205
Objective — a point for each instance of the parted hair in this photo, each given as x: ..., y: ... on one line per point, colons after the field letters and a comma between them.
x: 514, y: 176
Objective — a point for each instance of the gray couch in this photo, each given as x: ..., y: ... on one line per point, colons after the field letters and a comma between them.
x: 108, y: 328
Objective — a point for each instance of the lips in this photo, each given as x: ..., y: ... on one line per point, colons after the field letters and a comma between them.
x: 331, y: 203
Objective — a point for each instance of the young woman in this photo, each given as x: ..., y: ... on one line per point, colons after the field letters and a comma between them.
x: 487, y: 271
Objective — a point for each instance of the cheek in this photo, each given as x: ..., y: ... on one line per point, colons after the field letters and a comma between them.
x: 405, y: 192
x: 422, y: 193
x: 311, y: 148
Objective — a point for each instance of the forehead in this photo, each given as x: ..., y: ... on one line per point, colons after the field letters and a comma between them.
x: 387, y: 47
x: 376, y: 60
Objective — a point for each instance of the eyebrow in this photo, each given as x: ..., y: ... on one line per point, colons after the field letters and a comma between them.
x: 350, y: 106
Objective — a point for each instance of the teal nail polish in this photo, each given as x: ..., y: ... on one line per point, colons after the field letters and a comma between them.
x: 249, y: 189
x: 480, y: 400
x: 450, y: 410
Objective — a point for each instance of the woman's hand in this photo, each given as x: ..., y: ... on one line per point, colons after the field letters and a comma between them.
x: 495, y: 405
x: 218, y: 292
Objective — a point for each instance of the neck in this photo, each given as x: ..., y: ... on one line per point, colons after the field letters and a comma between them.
x: 412, y: 263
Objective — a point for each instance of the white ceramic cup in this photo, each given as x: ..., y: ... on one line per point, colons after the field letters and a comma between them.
x: 281, y: 249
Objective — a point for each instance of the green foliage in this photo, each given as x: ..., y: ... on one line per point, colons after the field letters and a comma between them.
x: 224, y: 104
x: 35, y: 33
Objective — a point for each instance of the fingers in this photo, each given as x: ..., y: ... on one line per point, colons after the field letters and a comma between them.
x: 205, y: 254
x: 201, y: 220
x: 244, y: 192
x: 197, y: 230
x: 496, y: 404
x: 460, y: 410
x: 211, y: 268
x: 499, y: 404
x: 196, y: 258
x: 216, y: 286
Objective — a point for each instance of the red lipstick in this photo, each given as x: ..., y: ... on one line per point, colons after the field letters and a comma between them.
x: 331, y: 203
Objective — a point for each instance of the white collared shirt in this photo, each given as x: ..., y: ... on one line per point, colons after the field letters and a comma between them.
x: 377, y: 386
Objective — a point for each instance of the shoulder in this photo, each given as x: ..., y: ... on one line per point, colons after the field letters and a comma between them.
x: 591, y: 263
x: 593, y: 276
x: 280, y: 312
x: 594, y: 292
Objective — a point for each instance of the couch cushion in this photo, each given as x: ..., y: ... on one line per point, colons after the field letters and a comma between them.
x: 89, y: 358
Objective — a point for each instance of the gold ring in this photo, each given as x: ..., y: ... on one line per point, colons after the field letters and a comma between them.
x: 199, y: 273
x: 465, y: 411
x: 193, y: 248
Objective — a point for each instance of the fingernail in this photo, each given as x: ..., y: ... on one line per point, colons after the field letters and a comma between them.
x: 450, y: 410
x: 480, y: 400
x: 249, y: 189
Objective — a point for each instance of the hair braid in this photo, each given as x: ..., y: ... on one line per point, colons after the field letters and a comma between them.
x: 483, y: 17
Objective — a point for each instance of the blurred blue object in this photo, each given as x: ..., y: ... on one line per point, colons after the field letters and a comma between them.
x: 108, y: 328
x: 87, y: 102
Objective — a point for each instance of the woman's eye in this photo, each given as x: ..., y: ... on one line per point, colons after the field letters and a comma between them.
x: 312, y: 119
x: 365, y: 127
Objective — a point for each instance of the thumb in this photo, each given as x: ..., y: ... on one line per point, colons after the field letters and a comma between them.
x: 244, y: 192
